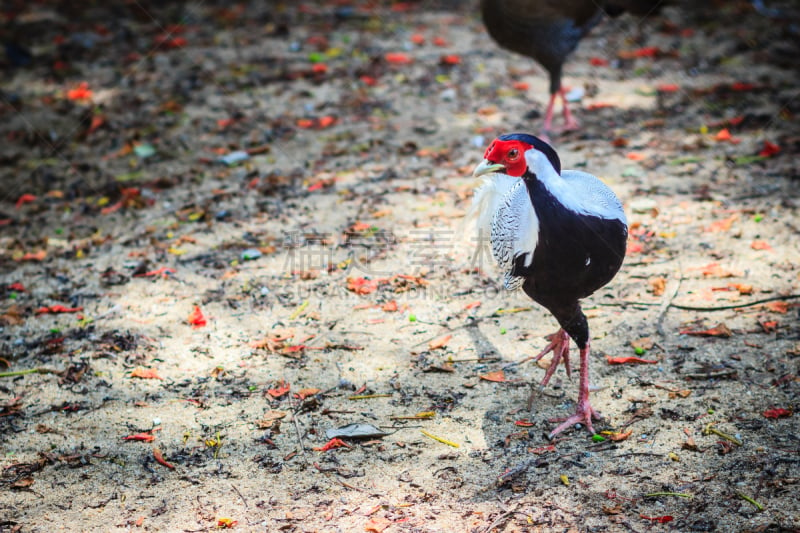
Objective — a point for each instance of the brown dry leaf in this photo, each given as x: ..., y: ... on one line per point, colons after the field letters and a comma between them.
x: 498, y: 376
x: 302, y: 394
x: 720, y: 330
x: 12, y: 317
x: 715, y: 270
x: 22, y: 483
x: 645, y: 343
x: 742, y: 288
x: 145, y: 373
x: 270, y: 419
x: 377, y: 524
x: 441, y: 342
x: 685, y: 393
x: 657, y: 285
x: 612, y: 509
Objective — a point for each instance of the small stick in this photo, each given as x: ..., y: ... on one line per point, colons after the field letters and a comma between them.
x: 440, y: 439
x: 708, y: 430
x: 679, y: 494
x: 15, y: 373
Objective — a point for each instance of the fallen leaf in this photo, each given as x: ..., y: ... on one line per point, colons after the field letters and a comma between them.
x: 630, y: 359
x: 722, y: 225
x: 226, y: 523
x: 644, y: 343
x: 302, y: 394
x: 160, y: 459
x: 620, y: 436
x: 660, y: 519
x: 144, y: 437
x: 598, y: 62
x: 441, y: 342
x: 81, y: 92
x: 24, y: 199
x: 769, y: 149
x: 281, y: 388
x: 760, y: 245
x: 720, y: 330
x: 54, y: 309
x: 398, y: 58
x: 332, y: 444
x: 778, y: 307
x: 497, y: 376
x: 657, y: 285
x: 777, y: 413
x: 377, y: 524
x: 196, y: 318
x: 362, y: 285
x: 145, y: 373
x: 270, y: 419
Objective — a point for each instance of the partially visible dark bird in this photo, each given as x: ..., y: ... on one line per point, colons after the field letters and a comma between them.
x: 549, y: 30
x: 560, y: 235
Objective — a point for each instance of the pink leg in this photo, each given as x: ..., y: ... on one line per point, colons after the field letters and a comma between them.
x: 570, y: 122
x: 548, y: 114
x: 584, y: 412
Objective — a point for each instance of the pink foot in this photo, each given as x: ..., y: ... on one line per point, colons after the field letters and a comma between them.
x: 583, y: 415
x: 559, y: 345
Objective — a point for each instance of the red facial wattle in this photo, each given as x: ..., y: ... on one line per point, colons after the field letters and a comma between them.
x: 510, y: 154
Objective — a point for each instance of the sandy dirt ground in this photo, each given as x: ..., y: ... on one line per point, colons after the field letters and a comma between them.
x: 247, y: 230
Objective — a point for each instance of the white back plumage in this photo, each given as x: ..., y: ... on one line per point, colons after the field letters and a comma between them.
x: 578, y: 191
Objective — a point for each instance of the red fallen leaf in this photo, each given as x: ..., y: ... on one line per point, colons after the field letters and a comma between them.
x: 163, y: 271
x: 473, y: 305
x: 81, y: 92
x: 521, y: 86
x: 720, y: 330
x: 635, y: 156
x: 96, y: 123
x: 332, y: 444
x: 57, y: 309
x: 305, y: 123
x: 34, y: 256
x: 368, y: 80
x: 668, y: 88
x: 196, y: 318
x: 144, y: 437
x: 362, y: 285
x: 398, y: 58
x: 769, y: 326
x: 760, y: 245
x: 17, y: 286
x: 305, y: 393
x: 630, y: 359
x: 281, y: 389
x: 647, y: 51
x: 145, y: 373
x: 498, y: 376
x: 24, y: 199
x: 439, y: 41
x: 599, y: 105
x: 326, y: 121
x: 777, y: 413
x: 634, y: 247
x: 390, y: 307
x: 451, y: 59
x: 167, y: 41
x: 769, y: 149
x: 359, y: 227
x: 742, y: 86
x: 418, y: 39
x: 226, y: 523
x: 725, y: 135
x: 327, y: 182
x: 525, y: 423
x: 160, y: 459
x: 319, y: 68
x: 660, y: 519
x: 598, y: 62
x: 441, y: 342
x: 778, y: 307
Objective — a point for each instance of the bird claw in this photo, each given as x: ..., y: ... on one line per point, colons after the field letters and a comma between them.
x: 583, y: 415
x: 559, y: 345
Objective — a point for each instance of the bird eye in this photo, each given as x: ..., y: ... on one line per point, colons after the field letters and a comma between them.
x: 513, y: 154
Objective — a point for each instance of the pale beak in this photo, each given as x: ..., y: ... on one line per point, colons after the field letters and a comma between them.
x: 487, y: 167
